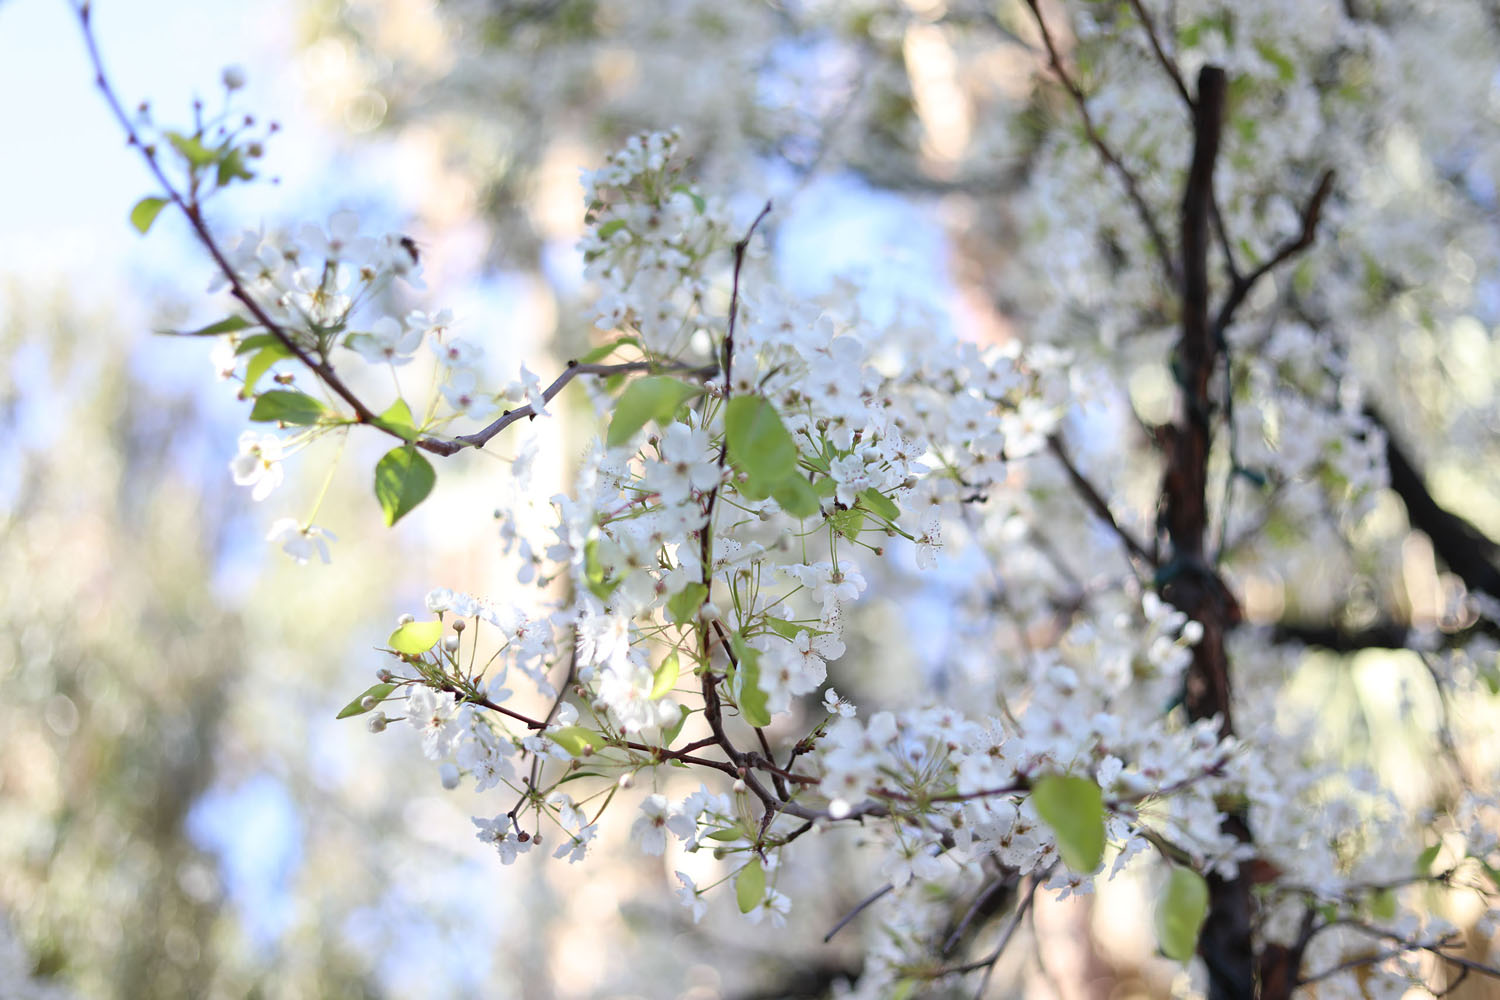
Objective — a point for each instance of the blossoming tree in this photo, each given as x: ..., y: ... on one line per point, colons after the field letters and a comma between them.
x: 1201, y: 199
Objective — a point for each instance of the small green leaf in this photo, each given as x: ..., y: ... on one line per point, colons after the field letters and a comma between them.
x: 788, y: 630
x: 671, y: 732
x: 610, y: 228
x: 397, y: 419
x: 1427, y: 857
x: 726, y: 836
x: 356, y: 707
x: 796, y: 496
x: 697, y: 199
x: 881, y: 504
x: 847, y: 522
x: 191, y: 149
x: 665, y: 677
x: 1491, y: 871
x: 655, y: 397
x: 750, y: 886
x: 288, y: 407
x: 577, y: 740
x: 1180, y: 913
x: 683, y: 606
x: 747, y: 692
x: 229, y: 324
x: 145, y: 212
x: 261, y: 362
x: 232, y: 168
x: 1383, y: 904
x: 255, y: 342
x: 416, y: 638
x: 402, y: 480
x: 1074, y: 808
x: 759, y: 444
x: 605, y: 350
x: 593, y: 571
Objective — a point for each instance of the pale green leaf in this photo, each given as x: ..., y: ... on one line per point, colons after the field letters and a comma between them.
x: 750, y: 886
x: 1074, y: 808
x: 759, y: 444
x: 1180, y: 913
x: 882, y: 505
x: 415, y: 638
x: 288, y: 407
x: 403, y: 479
x: 683, y: 606
x: 748, y: 694
x: 145, y: 212
x: 357, y: 707
x: 578, y: 741
x: 655, y: 397
x: 665, y: 677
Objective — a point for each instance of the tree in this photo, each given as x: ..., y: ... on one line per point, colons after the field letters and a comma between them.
x: 1208, y: 215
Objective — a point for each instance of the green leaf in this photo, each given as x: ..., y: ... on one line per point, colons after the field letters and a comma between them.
x: 697, y: 199
x: 1491, y: 871
x: 605, y: 350
x: 229, y: 324
x: 416, y: 638
x: 671, y: 732
x: 1074, y: 808
x: 749, y: 696
x: 665, y: 677
x: 288, y: 407
x: 1427, y: 857
x: 402, y: 480
x: 593, y: 571
x: 397, y: 419
x: 847, y: 522
x: 191, y: 149
x: 759, y: 444
x: 683, y: 606
x: 788, y: 630
x: 145, y: 212
x: 610, y: 228
x: 263, y: 360
x: 255, y: 342
x: 750, y: 886
x: 881, y: 504
x: 232, y: 168
x: 356, y: 707
x: 655, y: 397
x: 796, y: 496
x: 577, y: 740
x: 1383, y: 904
x: 1180, y: 913
x: 726, y: 836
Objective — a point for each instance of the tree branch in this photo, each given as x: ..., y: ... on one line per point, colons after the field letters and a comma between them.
x: 1127, y: 178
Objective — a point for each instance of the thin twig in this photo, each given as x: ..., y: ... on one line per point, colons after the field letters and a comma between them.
x: 1161, y: 55
x: 1096, y: 502
x: 858, y: 909
x: 1127, y: 178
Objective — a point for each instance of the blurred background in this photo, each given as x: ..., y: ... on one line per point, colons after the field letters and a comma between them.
x: 180, y: 814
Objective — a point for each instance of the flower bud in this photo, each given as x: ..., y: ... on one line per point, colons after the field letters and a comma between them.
x: 368, y: 702
x: 448, y: 773
x: 377, y: 722
x: 406, y: 619
x: 233, y: 77
x: 450, y: 643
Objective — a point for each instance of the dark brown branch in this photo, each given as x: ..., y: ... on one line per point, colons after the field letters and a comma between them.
x: 1096, y: 502
x: 1127, y: 177
x: 1161, y: 56
x: 1466, y: 550
x: 1312, y: 211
